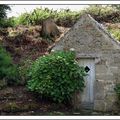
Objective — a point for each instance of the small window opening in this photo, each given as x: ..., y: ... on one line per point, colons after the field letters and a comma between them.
x: 87, y: 69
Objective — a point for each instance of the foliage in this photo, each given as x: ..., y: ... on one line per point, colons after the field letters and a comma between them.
x: 99, y: 10
x: 38, y: 15
x: 115, y: 33
x: 10, y: 22
x: 23, y: 70
x: 3, y: 10
x: 56, y: 76
x: 117, y: 90
x: 114, y: 30
x: 116, y: 7
x: 66, y: 17
x: 103, y: 13
x: 3, y: 15
x: 8, y: 70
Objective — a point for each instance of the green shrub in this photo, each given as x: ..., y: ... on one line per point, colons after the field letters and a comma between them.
x: 115, y: 33
x: 100, y: 10
x: 117, y: 90
x: 8, y: 70
x: 56, y: 76
x: 66, y: 17
x: 23, y: 70
x: 10, y: 22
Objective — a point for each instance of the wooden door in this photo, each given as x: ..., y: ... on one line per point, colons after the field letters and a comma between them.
x: 87, y: 96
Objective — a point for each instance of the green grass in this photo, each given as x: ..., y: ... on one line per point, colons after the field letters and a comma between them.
x: 67, y: 18
x: 64, y: 17
x: 115, y: 33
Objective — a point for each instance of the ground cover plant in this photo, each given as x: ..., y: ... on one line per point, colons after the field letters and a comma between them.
x: 115, y: 32
x: 64, y: 16
x: 67, y: 18
x: 8, y: 71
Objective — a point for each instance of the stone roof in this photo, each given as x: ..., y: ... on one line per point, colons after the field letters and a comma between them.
x: 87, y: 34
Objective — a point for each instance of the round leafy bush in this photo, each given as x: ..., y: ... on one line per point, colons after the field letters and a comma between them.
x: 56, y: 76
x: 8, y: 70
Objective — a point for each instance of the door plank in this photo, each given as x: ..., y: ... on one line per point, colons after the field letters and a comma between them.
x: 87, y: 97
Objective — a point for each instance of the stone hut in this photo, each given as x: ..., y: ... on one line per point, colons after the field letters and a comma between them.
x: 99, y: 53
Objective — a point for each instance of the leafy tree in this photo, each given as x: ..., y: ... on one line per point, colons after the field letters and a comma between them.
x: 3, y: 15
x: 3, y: 10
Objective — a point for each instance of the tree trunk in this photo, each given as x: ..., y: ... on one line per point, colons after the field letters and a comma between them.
x: 49, y: 30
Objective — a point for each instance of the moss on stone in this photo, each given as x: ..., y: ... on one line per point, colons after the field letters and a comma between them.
x: 3, y: 84
x: 11, y: 107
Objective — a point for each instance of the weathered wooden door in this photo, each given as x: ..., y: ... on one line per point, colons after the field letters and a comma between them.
x: 87, y: 96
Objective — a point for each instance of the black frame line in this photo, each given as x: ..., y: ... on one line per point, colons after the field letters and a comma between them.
x: 63, y: 119
x: 60, y: 0
x: 60, y: 4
